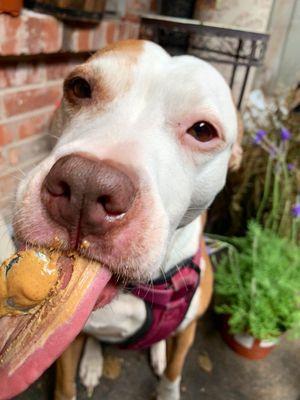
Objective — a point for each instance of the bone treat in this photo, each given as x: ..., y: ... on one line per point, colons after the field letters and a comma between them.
x: 26, y: 280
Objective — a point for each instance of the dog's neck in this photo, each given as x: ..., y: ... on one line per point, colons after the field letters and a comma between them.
x: 184, y: 244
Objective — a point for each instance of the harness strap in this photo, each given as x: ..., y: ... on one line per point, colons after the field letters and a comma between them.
x: 167, y: 300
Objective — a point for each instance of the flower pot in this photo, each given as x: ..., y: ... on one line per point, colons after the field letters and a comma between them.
x: 246, y: 345
x: 12, y: 7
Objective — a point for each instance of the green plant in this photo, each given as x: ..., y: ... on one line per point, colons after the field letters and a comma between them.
x: 258, y: 281
x: 258, y: 284
x: 267, y: 186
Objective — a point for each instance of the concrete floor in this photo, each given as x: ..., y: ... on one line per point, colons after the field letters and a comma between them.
x: 232, y: 377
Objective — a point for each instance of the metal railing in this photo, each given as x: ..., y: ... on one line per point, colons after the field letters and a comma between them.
x: 215, y: 43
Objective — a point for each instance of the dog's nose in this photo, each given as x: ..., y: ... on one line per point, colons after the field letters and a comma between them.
x: 88, y: 194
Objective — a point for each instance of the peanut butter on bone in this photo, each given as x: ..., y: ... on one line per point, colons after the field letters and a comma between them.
x: 56, y: 310
x: 26, y: 280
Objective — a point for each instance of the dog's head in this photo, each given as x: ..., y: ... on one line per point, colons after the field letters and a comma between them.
x: 144, y: 146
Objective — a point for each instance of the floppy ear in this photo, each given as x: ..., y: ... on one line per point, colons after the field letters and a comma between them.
x: 237, y: 151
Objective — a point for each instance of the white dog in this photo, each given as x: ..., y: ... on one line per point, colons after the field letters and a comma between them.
x: 145, y: 143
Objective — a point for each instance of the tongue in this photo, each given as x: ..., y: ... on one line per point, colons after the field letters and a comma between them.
x: 30, y: 343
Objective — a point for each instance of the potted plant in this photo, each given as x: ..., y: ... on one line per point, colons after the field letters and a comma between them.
x: 258, y: 281
x: 258, y: 291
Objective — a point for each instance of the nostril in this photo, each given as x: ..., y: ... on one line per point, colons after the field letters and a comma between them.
x: 109, y: 205
x: 59, y: 189
x: 103, y: 200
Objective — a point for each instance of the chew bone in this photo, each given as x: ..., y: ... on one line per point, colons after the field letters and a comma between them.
x: 26, y: 279
x: 30, y: 342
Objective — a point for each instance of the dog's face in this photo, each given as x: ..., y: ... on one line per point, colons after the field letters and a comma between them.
x: 144, y: 145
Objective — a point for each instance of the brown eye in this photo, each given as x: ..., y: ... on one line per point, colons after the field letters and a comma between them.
x: 203, y: 131
x: 79, y: 87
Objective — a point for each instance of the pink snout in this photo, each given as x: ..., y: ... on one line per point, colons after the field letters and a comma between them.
x: 87, y: 196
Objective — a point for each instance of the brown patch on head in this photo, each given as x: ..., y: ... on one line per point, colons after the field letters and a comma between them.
x: 100, y: 90
x: 129, y: 49
x: 103, y: 83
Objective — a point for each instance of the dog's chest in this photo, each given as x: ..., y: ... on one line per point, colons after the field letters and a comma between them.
x: 125, y: 315
x: 117, y: 320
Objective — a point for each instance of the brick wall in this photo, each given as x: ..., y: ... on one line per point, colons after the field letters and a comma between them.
x: 36, y: 53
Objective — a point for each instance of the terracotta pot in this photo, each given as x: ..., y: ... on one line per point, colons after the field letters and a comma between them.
x: 246, y: 345
x: 12, y: 7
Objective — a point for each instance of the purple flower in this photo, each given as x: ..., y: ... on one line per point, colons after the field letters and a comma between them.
x: 209, y: 249
x: 291, y: 166
x: 259, y: 136
x: 285, y: 134
x: 296, y: 211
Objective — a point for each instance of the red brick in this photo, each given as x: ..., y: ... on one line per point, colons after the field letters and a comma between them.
x: 134, y: 30
x: 83, y: 39
x: 9, y: 182
x: 24, y: 127
x: 6, y: 206
x: 44, y: 34
x: 2, y: 161
x: 21, y: 74
x: 92, y: 38
x: 123, y: 31
x: 77, y: 39
x: 111, y: 32
x: 10, y: 29
x: 28, y: 100
x: 7, y: 135
x: 14, y: 155
x: 99, y: 36
x: 30, y: 33
x: 34, y: 125
x: 128, y: 30
x: 3, y: 78
x: 26, y: 150
x: 59, y: 69
x: 138, y: 6
x: 135, y: 18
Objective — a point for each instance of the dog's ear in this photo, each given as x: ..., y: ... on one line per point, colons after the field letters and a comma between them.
x: 237, y: 151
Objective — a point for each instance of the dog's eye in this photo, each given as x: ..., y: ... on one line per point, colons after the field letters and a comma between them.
x: 79, y: 87
x: 203, y: 131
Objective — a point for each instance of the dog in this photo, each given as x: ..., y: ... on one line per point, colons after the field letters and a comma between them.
x: 144, y: 144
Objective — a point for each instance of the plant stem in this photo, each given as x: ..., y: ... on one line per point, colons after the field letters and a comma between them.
x: 266, y: 190
x: 294, y: 234
x: 276, y: 201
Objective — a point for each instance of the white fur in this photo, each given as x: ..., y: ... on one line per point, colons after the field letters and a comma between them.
x: 91, y: 365
x: 168, y: 390
x: 118, y: 320
x: 158, y: 356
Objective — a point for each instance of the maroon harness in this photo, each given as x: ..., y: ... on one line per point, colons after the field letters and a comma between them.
x: 167, y: 300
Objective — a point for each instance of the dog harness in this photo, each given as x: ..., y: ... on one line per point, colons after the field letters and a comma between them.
x: 167, y: 300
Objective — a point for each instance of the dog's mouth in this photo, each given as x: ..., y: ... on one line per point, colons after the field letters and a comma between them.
x: 31, y: 342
